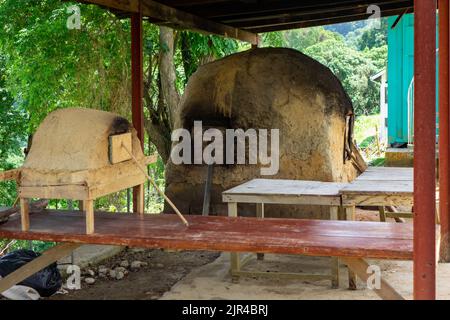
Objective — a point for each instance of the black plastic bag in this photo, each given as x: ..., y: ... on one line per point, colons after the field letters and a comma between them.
x: 46, y: 282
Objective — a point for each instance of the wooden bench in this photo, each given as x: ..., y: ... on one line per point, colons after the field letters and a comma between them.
x: 351, y: 241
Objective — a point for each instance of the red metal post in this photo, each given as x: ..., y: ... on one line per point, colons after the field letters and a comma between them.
x: 137, y: 86
x: 424, y: 149
x: 444, y: 148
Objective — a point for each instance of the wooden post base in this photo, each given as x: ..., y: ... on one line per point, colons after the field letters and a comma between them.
x: 359, y: 267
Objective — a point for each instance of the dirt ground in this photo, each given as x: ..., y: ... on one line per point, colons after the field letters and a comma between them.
x: 150, y: 282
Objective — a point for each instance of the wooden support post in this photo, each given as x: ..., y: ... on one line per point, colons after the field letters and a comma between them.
x: 89, y: 211
x: 350, y: 215
x: 81, y: 205
x: 234, y: 257
x: 260, y: 215
x: 140, y: 200
x: 137, y: 90
x: 359, y: 266
x: 424, y: 149
x: 48, y: 257
x: 334, y: 215
x: 334, y: 272
x: 25, y: 214
x: 444, y: 132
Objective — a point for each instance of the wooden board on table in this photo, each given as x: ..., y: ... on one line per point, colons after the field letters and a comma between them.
x: 387, y: 173
x: 285, y: 191
x: 379, y: 187
x: 282, y: 236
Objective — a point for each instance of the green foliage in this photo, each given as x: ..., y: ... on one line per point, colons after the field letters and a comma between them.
x: 273, y: 39
x: 353, y: 68
x: 369, y: 36
x: 301, y: 39
x: 194, y: 49
x: 365, y: 135
x: 13, y: 136
x: 50, y: 66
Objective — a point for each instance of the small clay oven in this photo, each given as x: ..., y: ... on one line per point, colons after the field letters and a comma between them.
x: 73, y: 157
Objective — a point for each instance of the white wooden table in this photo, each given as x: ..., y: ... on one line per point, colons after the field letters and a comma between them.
x: 381, y: 186
x: 293, y: 192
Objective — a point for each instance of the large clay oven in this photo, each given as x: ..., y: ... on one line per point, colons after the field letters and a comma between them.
x: 265, y: 89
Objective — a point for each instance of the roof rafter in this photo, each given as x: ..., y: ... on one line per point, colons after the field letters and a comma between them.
x: 177, y: 18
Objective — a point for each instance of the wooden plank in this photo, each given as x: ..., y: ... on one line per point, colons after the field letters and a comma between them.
x: 284, y: 199
x: 116, y: 152
x: 81, y: 192
x: 359, y: 266
x: 74, y: 192
x: 116, y: 185
x: 48, y: 257
x: 409, y: 215
x: 283, y: 236
x: 322, y: 21
x: 287, y: 187
x: 376, y: 200
x: 10, y: 175
x: 285, y: 192
x: 387, y: 187
x: 179, y: 18
x: 387, y: 173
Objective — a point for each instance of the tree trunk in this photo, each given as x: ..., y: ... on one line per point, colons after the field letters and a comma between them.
x: 159, y: 122
x: 167, y: 71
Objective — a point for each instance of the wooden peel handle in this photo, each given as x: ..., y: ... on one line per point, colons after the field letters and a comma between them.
x: 179, y: 214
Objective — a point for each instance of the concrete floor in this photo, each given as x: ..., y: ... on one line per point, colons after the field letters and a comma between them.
x: 212, y: 281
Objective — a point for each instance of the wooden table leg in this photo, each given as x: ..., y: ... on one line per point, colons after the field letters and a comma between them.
x: 382, y: 211
x: 25, y: 214
x: 350, y: 215
x: 140, y: 199
x: 89, y: 211
x: 234, y: 257
x: 260, y: 214
x: 48, y: 257
x: 334, y: 215
x: 359, y: 266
